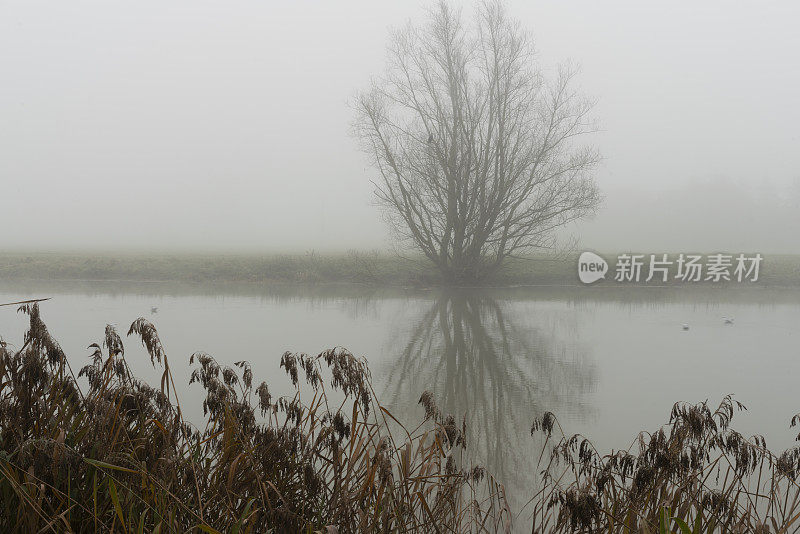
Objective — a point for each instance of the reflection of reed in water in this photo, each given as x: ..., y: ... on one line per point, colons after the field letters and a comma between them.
x: 477, y: 362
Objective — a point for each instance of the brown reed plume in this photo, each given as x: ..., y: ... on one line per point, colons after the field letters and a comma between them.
x: 105, y: 451
x: 694, y: 475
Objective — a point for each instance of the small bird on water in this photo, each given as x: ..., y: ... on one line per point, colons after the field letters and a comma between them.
x: 685, y: 326
x: 153, y: 309
x: 727, y: 320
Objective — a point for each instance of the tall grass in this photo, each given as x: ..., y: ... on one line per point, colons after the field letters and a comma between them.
x: 694, y: 475
x: 105, y: 451
x: 102, y: 451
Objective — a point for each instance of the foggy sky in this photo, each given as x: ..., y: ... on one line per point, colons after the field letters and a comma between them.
x: 225, y: 125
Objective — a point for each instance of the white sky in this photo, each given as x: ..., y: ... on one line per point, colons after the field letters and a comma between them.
x: 224, y: 125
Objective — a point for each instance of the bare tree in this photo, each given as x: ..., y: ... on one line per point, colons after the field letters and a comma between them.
x: 477, y: 151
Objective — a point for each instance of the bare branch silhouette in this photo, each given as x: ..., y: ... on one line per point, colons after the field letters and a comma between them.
x: 477, y: 152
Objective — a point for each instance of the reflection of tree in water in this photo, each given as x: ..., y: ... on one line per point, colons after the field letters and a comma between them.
x: 478, y: 362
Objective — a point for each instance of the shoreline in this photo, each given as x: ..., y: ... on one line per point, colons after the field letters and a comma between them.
x: 353, y: 268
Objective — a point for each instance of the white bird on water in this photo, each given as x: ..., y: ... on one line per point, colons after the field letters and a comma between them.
x: 153, y: 309
x: 727, y: 320
x: 685, y: 326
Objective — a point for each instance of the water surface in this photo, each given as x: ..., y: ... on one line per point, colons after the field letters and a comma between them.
x: 608, y: 362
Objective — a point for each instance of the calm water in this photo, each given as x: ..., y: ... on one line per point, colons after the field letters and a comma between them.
x: 607, y: 362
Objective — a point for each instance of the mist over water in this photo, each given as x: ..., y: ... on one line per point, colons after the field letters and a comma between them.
x: 263, y: 182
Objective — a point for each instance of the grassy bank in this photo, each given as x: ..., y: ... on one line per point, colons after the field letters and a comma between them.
x: 96, y: 449
x: 352, y: 267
